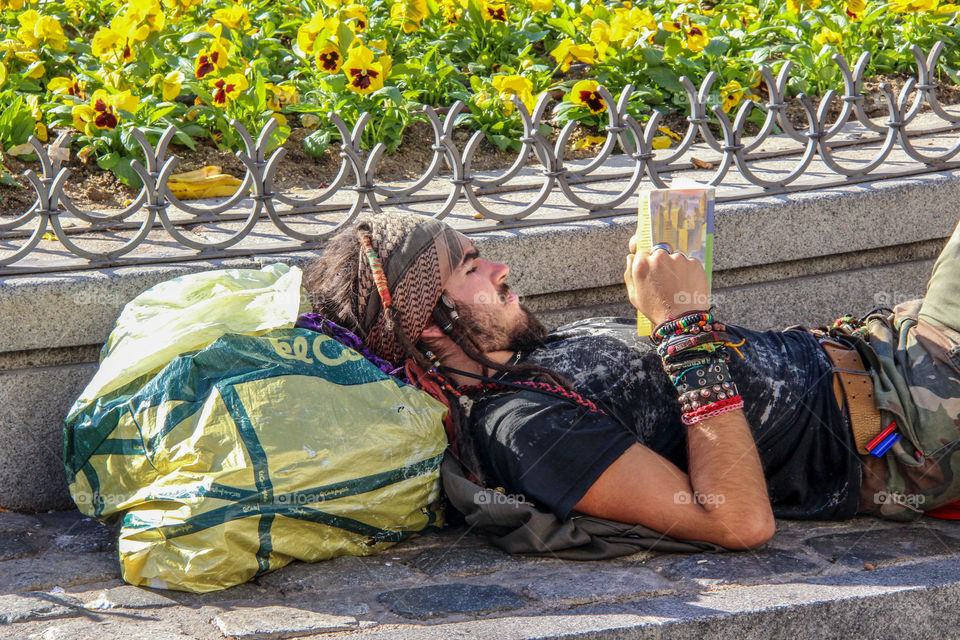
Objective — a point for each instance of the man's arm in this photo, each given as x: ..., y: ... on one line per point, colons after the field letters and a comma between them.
x: 724, y: 498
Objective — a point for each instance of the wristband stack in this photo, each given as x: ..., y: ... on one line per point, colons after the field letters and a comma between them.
x: 693, y: 348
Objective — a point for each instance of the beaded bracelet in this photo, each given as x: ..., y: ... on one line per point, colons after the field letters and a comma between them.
x: 672, y: 325
x: 712, y: 410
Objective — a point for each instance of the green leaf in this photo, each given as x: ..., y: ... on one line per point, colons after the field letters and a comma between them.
x: 717, y: 46
x: 652, y: 56
x: 317, y: 142
x: 563, y: 25
x: 501, y: 142
x: 666, y: 78
x: 108, y: 161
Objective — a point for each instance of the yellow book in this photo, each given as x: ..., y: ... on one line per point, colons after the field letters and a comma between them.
x: 660, y: 222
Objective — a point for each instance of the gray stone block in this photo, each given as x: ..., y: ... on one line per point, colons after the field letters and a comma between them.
x: 855, y: 549
x: 442, y: 599
x: 15, y: 545
x: 556, y: 582
x: 35, y: 606
x: 726, y: 568
x: 33, y: 405
x: 343, y: 572
x: 87, y: 536
x: 129, y: 597
x: 257, y: 623
x: 57, y: 570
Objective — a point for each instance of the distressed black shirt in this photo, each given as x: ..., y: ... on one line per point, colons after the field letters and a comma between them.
x: 551, y: 449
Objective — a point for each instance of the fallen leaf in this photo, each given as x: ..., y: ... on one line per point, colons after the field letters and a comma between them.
x: 702, y: 164
x: 661, y: 142
x: 49, y: 235
x: 478, y: 216
x: 869, y: 567
x: 670, y: 132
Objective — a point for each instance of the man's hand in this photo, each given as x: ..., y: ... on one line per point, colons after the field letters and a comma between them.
x: 664, y: 285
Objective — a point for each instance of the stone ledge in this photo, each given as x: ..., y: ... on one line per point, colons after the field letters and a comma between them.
x: 860, y: 578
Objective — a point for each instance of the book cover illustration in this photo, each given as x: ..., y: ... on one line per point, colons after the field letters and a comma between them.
x: 682, y: 218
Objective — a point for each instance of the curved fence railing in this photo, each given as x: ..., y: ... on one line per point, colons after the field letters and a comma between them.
x: 450, y: 179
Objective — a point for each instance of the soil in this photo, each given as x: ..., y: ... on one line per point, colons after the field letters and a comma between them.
x: 91, y: 187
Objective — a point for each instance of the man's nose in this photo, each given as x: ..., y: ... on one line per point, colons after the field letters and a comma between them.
x: 499, y: 272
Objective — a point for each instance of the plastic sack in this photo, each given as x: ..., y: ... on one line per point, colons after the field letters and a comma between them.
x: 251, y: 450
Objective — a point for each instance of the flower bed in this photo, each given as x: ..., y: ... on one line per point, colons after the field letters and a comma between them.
x: 100, y: 67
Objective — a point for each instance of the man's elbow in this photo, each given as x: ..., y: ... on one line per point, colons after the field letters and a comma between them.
x: 749, y: 533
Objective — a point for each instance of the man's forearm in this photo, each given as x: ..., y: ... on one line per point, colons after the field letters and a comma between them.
x: 727, y: 480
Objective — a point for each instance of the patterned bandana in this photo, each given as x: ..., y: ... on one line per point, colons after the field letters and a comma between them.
x: 418, y: 255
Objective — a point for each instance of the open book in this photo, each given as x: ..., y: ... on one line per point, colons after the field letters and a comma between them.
x: 682, y: 218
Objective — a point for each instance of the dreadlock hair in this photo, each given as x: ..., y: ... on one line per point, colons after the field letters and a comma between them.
x: 331, y: 284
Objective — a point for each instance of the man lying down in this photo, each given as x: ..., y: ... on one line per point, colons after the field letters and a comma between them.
x: 705, y: 431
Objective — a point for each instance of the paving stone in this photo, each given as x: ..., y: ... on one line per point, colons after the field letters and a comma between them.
x: 725, y: 568
x: 57, y: 570
x: 129, y: 597
x: 111, y: 628
x: 345, y: 571
x: 456, y: 561
x: 439, y: 599
x: 558, y: 582
x: 87, y: 536
x: 35, y: 606
x: 61, y: 520
x: 15, y: 545
x: 10, y: 521
x: 280, y: 622
x: 907, y: 542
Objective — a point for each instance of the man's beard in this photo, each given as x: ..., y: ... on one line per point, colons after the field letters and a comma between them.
x: 492, y: 332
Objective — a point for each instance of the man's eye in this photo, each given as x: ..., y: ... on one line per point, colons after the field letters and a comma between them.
x: 471, y: 270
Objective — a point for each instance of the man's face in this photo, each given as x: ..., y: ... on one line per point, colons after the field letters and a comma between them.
x: 492, y: 313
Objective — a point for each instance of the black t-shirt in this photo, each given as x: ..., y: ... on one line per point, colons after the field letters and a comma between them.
x: 551, y: 449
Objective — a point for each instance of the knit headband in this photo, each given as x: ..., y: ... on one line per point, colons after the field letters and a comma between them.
x: 406, y: 265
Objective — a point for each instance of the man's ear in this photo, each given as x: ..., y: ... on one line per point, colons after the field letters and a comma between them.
x: 432, y: 330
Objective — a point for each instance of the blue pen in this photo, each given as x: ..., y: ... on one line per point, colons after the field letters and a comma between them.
x: 885, y: 445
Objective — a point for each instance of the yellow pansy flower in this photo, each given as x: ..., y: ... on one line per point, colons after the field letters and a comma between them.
x: 281, y: 96
x: 509, y: 86
x: 585, y: 94
x: 494, y: 11
x: 310, y: 32
x: 600, y: 37
x: 103, y: 111
x: 66, y: 86
x: 211, y: 59
x: 541, y: 5
x: 3, y: 74
x: 828, y: 36
x: 171, y: 84
x: 796, y: 6
x: 732, y: 94
x: 913, y: 6
x: 358, y: 12
x: 13, y: 5
x: 363, y: 74
x: 227, y: 89
x: 236, y: 17
x: 567, y: 51
x: 36, y: 30
x: 410, y: 12
x: 329, y: 59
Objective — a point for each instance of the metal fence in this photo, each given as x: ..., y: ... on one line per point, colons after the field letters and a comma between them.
x: 450, y: 180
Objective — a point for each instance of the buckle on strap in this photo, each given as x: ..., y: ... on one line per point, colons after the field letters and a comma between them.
x: 853, y: 388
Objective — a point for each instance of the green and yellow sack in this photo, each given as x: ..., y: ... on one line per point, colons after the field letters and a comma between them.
x: 253, y: 445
